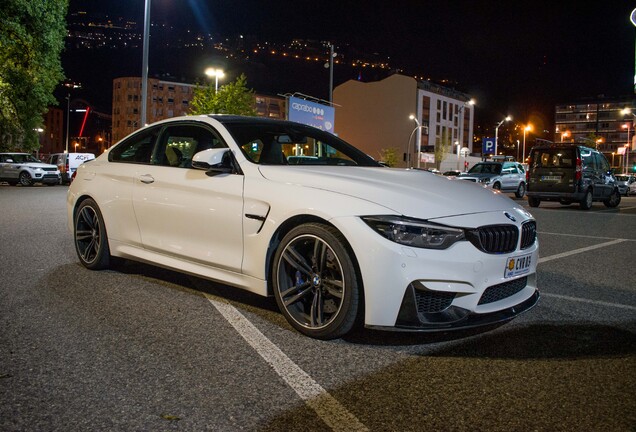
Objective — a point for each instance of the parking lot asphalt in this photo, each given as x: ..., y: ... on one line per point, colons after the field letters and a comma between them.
x: 142, y: 348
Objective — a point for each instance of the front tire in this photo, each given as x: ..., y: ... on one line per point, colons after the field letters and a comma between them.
x: 614, y: 200
x: 315, y: 281
x: 534, y: 201
x: 91, y: 241
x: 521, y: 190
x: 497, y: 186
x: 25, y: 179
x: 586, y: 202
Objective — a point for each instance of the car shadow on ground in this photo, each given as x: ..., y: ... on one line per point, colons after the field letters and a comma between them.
x: 538, y: 341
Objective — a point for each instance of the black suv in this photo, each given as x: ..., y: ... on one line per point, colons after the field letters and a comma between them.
x: 570, y: 173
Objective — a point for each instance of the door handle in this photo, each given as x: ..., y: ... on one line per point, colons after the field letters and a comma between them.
x: 146, y: 178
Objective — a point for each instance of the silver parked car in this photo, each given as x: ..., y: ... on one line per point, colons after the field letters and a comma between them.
x: 505, y: 176
x: 626, y: 184
x: 25, y: 169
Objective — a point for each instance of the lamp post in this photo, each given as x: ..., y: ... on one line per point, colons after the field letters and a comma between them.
x: 508, y: 118
x: 68, y: 114
x: 144, y: 63
x: 613, y: 153
x: 471, y: 102
x: 216, y: 73
x: 627, y: 126
x: 329, y: 65
x: 418, y: 139
x: 528, y: 128
x: 458, y: 145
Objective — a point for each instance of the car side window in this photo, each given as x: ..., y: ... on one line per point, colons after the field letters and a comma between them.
x: 178, y: 144
x: 601, y: 163
x: 136, y: 149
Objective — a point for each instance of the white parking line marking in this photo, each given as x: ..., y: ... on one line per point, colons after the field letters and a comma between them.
x: 579, y: 235
x: 594, y: 302
x: 326, y: 406
x: 581, y: 250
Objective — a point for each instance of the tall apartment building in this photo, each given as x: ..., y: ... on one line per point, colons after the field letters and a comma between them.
x: 375, y: 116
x: 604, y: 118
x: 167, y: 99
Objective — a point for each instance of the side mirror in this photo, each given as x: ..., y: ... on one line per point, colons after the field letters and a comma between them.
x: 214, y: 161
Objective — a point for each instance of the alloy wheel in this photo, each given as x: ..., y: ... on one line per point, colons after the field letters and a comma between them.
x: 311, y: 281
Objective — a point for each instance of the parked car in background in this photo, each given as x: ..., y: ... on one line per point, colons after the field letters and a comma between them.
x: 626, y: 184
x: 25, y: 169
x: 570, y: 174
x: 216, y: 196
x: 504, y: 176
x: 67, y: 163
x: 452, y: 173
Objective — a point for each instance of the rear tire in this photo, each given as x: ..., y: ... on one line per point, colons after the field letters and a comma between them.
x: 521, y: 190
x: 534, y: 202
x: 586, y: 202
x: 614, y: 200
x: 497, y: 186
x: 91, y: 241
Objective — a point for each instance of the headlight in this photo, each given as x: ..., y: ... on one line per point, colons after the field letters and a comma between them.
x: 413, y: 232
x: 38, y: 170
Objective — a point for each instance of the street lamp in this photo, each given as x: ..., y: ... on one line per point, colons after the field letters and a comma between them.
x: 329, y: 65
x: 418, y: 140
x: 565, y: 134
x: 216, y: 73
x: 68, y: 113
x: 458, y: 145
x: 528, y: 128
x: 508, y: 118
x: 627, y: 126
x: 460, y: 112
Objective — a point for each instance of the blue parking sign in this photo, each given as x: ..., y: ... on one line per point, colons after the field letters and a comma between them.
x: 488, y: 146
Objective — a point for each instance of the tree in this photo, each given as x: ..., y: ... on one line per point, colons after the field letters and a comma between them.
x: 442, y: 145
x: 389, y: 156
x: 232, y: 98
x: 31, y: 38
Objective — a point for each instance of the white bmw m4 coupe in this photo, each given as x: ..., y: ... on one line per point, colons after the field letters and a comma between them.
x: 286, y: 210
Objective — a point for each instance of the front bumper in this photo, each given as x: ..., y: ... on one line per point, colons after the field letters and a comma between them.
x: 459, y: 279
x: 48, y: 179
x: 454, y: 318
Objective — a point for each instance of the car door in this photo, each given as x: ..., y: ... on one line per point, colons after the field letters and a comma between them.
x: 183, y: 212
x: 507, y: 176
x: 10, y: 166
x: 605, y: 181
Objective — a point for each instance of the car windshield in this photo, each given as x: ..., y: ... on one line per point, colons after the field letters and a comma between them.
x: 622, y: 177
x: 486, y: 168
x: 294, y: 144
x: 22, y: 158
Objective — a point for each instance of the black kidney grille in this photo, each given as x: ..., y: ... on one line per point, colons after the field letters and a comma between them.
x: 433, y: 301
x: 503, y: 290
x: 528, y: 234
x: 495, y: 238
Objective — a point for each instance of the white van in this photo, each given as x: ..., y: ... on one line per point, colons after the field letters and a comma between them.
x: 67, y: 163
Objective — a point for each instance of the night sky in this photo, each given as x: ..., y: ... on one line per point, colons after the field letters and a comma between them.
x: 513, y: 57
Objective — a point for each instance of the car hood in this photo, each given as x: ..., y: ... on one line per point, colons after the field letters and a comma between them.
x: 477, y: 175
x: 413, y: 193
x: 36, y: 164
